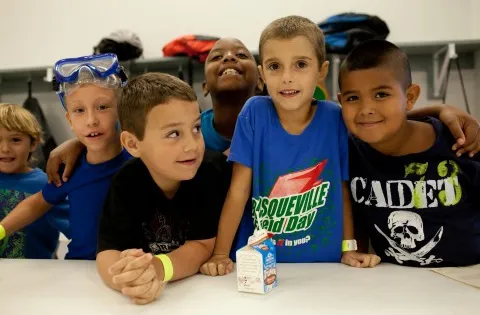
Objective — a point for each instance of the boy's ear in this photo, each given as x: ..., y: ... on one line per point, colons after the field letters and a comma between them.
x: 260, y: 72
x: 205, y: 89
x: 130, y: 143
x: 413, y: 92
x: 260, y: 84
x: 324, y: 70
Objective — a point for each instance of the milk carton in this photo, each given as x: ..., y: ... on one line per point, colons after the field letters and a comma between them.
x: 257, y: 264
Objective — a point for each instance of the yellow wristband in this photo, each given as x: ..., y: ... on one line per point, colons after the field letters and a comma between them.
x: 2, y: 232
x: 167, y: 267
x: 349, y: 245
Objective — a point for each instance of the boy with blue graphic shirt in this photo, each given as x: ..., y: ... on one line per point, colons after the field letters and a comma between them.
x: 291, y: 152
x: 20, y: 133
x: 413, y: 197
x: 88, y: 88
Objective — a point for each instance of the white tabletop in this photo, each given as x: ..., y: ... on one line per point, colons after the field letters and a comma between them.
x: 74, y: 287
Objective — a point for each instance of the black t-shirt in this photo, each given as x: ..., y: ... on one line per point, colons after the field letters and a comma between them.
x: 419, y: 210
x: 137, y: 214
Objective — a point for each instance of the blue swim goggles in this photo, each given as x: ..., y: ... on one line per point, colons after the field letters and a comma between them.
x: 103, y: 70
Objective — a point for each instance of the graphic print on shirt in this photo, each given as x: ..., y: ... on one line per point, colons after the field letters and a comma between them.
x: 406, y: 228
x: 158, y: 233
x: 12, y: 246
x: 292, y: 204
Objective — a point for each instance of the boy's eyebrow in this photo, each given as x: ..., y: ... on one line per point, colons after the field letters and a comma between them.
x: 295, y: 57
x: 172, y: 124
x: 270, y: 60
x: 303, y: 57
x: 348, y: 92
x: 381, y: 87
x: 177, y: 123
x: 16, y: 134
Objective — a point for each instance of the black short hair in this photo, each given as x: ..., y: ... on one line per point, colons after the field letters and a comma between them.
x: 378, y: 53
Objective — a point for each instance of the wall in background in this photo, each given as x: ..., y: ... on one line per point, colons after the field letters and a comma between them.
x: 37, y: 33
x: 476, y: 18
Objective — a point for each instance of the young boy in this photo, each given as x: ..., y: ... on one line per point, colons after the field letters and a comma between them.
x: 88, y: 87
x: 20, y: 133
x: 413, y: 196
x: 166, y: 202
x: 292, y: 153
x: 231, y: 78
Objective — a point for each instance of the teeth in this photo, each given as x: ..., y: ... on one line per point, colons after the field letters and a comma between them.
x: 229, y: 72
x: 289, y: 92
x: 94, y: 134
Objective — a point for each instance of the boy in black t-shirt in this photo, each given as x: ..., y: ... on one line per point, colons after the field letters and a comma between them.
x: 413, y: 196
x: 166, y: 201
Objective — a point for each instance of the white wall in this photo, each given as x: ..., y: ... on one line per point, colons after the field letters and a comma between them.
x: 454, y: 91
x: 476, y: 18
x: 37, y: 33
x: 476, y: 107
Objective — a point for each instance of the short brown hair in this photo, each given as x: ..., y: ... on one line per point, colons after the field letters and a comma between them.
x: 14, y: 117
x: 292, y: 26
x: 146, y: 91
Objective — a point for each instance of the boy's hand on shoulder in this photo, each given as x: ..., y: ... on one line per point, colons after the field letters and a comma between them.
x: 66, y: 153
x: 136, y: 275
x: 359, y: 260
x: 217, y: 265
x: 464, y: 128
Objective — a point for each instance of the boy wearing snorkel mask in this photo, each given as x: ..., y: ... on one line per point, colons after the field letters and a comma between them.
x: 88, y: 88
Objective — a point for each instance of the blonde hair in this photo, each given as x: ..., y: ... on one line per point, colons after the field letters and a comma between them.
x: 292, y: 26
x: 14, y: 117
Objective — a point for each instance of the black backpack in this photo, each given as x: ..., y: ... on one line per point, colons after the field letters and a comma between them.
x: 345, y: 31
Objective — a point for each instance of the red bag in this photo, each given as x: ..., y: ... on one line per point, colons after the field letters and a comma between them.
x: 195, y: 46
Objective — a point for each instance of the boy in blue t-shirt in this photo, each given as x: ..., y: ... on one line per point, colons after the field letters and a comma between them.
x: 20, y: 133
x: 291, y: 152
x: 88, y: 88
x: 414, y: 198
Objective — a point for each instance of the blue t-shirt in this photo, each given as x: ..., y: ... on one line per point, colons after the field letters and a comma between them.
x: 213, y: 140
x: 86, y: 191
x: 38, y: 240
x: 297, y: 180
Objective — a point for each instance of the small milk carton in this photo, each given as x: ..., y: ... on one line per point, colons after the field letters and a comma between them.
x: 257, y: 264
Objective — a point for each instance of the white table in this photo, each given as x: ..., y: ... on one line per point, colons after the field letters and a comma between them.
x: 73, y: 287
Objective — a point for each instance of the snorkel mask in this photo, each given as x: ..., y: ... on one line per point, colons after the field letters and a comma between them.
x: 103, y: 70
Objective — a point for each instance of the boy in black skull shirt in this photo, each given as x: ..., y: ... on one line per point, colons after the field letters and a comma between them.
x: 415, y: 198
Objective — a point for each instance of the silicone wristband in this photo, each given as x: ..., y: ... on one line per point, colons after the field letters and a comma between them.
x: 167, y: 267
x: 2, y: 232
x: 349, y: 245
